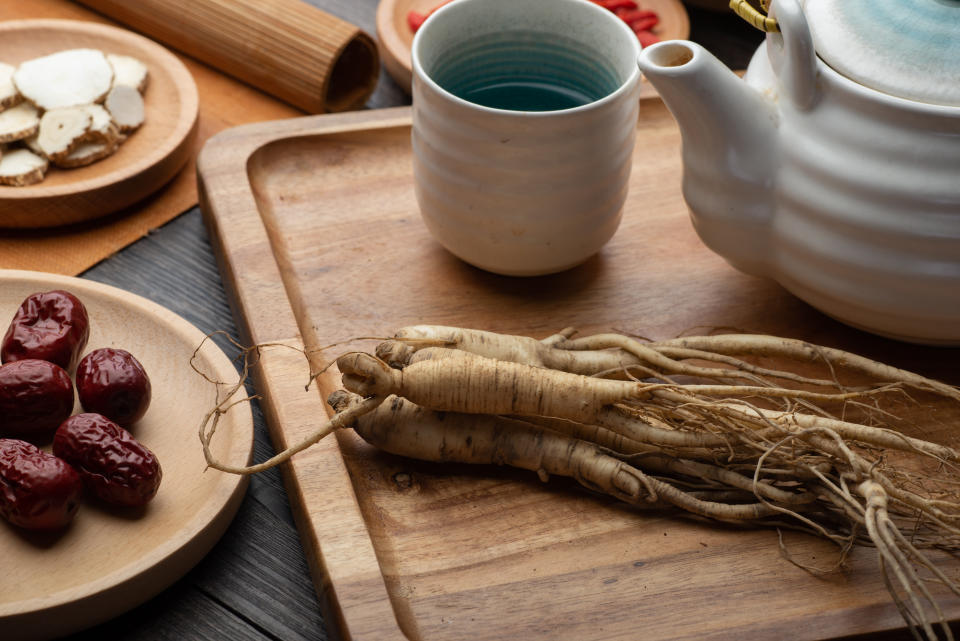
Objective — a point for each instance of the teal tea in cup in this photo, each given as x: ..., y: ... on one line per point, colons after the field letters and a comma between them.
x: 522, y: 70
x: 524, y: 118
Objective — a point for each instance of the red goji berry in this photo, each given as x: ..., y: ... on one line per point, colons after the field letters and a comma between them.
x: 644, y: 24
x: 415, y: 20
x: 613, y: 5
x: 632, y: 15
x: 647, y: 38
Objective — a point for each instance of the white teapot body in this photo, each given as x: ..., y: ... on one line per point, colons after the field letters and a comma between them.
x: 847, y: 196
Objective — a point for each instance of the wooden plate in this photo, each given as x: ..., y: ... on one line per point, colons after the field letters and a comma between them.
x: 106, y: 563
x: 144, y: 163
x: 395, y: 38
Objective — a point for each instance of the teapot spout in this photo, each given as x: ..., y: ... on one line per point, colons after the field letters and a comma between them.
x: 729, y: 132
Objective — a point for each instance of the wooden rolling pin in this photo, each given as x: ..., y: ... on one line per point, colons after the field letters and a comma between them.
x: 287, y: 48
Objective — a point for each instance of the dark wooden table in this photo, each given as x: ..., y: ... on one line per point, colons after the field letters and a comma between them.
x: 255, y: 585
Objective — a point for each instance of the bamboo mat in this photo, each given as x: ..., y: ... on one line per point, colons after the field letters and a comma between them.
x: 224, y: 103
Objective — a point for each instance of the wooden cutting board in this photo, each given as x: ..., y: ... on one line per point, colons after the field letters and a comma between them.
x: 317, y: 230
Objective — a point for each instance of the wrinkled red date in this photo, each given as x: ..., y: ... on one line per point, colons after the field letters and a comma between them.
x: 35, y: 397
x: 38, y: 491
x: 113, y: 383
x: 50, y: 326
x: 115, y: 467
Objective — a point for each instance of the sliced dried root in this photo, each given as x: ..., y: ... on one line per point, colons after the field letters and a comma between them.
x: 33, y: 145
x: 125, y: 105
x: 20, y: 167
x: 73, y: 130
x: 101, y: 139
x: 128, y: 71
x: 19, y: 122
x: 102, y: 129
x: 85, y: 154
x: 65, y: 79
x: 62, y: 130
x: 9, y: 96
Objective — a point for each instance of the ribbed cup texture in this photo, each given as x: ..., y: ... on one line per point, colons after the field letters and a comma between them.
x: 522, y: 70
x: 524, y: 119
x: 519, y: 195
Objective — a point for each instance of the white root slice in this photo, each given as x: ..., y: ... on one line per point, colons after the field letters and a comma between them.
x: 32, y: 144
x: 128, y: 71
x: 125, y: 105
x: 62, y: 130
x: 102, y: 129
x: 20, y: 167
x: 86, y: 153
x: 9, y: 96
x: 65, y: 79
x: 17, y: 123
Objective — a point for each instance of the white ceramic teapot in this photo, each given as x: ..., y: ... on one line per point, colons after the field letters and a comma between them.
x: 834, y: 165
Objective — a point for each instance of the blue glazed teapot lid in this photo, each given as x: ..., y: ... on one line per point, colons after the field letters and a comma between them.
x: 906, y: 48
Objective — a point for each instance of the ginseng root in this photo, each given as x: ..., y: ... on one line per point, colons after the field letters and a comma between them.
x: 479, y: 385
x: 401, y: 427
x: 684, y: 423
x: 501, y: 347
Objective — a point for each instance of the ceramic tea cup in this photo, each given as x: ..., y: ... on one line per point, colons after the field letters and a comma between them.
x: 524, y: 118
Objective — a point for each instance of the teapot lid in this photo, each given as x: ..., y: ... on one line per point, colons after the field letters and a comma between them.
x: 909, y: 49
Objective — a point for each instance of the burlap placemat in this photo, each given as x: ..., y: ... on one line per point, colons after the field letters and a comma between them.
x: 224, y: 103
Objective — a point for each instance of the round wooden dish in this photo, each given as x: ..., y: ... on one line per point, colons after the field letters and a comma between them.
x: 146, y: 161
x: 108, y: 561
x: 395, y: 38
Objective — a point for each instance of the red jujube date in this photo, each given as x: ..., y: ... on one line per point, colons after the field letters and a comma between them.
x: 113, y: 383
x: 115, y: 467
x: 49, y: 326
x: 35, y: 397
x: 38, y: 491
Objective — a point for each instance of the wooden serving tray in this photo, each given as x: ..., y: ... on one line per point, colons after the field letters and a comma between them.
x: 320, y: 240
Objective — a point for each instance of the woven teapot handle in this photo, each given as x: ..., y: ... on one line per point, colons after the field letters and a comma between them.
x: 756, y: 17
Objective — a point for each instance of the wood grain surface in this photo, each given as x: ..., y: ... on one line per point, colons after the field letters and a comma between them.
x: 317, y: 230
x: 287, y: 48
x: 395, y: 37
x: 143, y: 164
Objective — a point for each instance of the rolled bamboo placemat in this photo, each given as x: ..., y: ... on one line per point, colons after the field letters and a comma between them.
x: 287, y: 48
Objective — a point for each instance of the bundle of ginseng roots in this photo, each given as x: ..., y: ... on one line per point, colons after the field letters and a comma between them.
x: 687, y: 423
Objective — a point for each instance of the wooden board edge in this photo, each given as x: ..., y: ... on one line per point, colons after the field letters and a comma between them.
x: 352, y: 588
x: 232, y: 148
x: 340, y: 553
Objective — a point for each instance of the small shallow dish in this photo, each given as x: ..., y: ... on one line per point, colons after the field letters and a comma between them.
x: 107, y: 562
x: 395, y: 37
x: 144, y: 163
